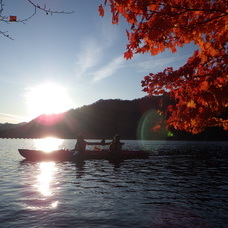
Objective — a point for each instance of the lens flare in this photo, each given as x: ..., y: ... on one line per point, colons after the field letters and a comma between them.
x: 147, y: 125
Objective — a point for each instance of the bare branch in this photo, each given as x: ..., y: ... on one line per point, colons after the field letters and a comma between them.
x: 6, y: 35
x: 44, y: 9
x: 37, y: 7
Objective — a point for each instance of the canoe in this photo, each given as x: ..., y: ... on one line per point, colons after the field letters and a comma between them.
x: 68, y: 155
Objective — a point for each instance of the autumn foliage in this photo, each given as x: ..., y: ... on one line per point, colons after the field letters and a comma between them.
x: 200, y: 87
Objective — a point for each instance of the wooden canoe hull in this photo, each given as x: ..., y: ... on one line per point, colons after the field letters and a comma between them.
x: 68, y: 155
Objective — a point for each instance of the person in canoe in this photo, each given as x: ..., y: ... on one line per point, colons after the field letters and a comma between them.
x: 116, y: 145
x: 102, y: 141
x: 81, y: 144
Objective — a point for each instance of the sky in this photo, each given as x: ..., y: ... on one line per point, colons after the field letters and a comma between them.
x: 64, y: 61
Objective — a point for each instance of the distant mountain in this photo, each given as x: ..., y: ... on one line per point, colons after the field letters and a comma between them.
x: 10, y: 125
x: 103, y: 119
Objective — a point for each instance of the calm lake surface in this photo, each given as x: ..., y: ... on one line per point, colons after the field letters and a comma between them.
x: 182, y: 184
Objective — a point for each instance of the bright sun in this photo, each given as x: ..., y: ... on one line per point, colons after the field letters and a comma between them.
x: 47, y: 98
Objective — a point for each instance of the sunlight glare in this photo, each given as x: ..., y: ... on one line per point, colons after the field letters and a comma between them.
x: 44, y: 179
x: 47, y: 98
x: 48, y: 144
x: 44, y: 182
x: 55, y: 204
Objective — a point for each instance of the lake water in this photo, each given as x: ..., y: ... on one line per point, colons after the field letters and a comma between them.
x: 182, y: 184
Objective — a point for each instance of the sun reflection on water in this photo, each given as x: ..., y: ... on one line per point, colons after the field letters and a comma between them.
x: 48, y: 144
x: 45, y: 179
x: 44, y: 186
x: 46, y: 176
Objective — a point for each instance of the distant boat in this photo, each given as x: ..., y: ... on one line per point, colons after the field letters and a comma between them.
x: 69, y: 155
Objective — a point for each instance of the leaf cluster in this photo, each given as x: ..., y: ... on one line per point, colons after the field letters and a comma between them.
x: 200, y: 86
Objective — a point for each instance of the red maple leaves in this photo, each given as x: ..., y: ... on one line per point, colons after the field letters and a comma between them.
x: 200, y: 87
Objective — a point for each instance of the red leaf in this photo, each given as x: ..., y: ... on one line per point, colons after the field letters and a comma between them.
x: 128, y: 54
x: 13, y: 18
x: 101, y: 10
x: 157, y: 128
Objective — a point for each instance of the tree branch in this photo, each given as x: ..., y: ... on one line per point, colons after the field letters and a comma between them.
x: 6, y: 35
x: 37, y: 7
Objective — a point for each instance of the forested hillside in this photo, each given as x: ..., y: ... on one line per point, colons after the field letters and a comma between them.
x: 103, y: 119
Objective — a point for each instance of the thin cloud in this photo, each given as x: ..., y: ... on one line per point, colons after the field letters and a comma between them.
x: 151, y: 65
x: 93, y: 51
x: 140, y: 66
x: 11, y: 118
x: 158, y: 64
x: 88, y: 57
x: 109, y: 69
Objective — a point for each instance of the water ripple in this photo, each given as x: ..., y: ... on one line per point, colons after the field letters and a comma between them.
x: 180, y: 185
